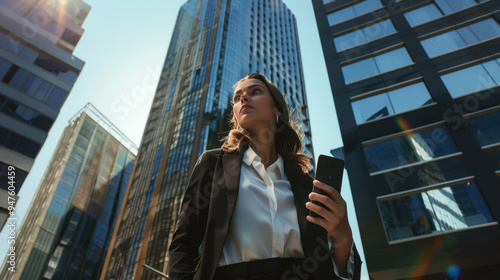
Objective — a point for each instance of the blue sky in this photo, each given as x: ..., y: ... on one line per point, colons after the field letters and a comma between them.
x: 124, y: 47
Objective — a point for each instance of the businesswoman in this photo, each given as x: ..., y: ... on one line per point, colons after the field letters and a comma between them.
x: 245, y: 209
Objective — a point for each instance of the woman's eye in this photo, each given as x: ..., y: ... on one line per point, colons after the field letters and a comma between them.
x: 256, y: 91
x: 236, y: 98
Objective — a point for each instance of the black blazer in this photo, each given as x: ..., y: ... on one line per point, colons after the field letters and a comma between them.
x: 206, y: 213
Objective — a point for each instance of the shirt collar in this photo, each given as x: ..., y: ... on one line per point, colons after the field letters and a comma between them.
x: 251, y: 156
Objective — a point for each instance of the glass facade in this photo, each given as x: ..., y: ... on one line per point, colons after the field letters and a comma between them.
x: 67, y: 229
x: 462, y: 37
x: 473, y: 79
x: 377, y: 64
x: 423, y: 14
x: 358, y: 9
x: 486, y: 128
x: 392, y: 102
x: 437, y: 210
x: 45, y: 62
x: 37, y: 72
x: 364, y: 35
x: 410, y: 148
x: 224, y: 41
x: 417, y: 106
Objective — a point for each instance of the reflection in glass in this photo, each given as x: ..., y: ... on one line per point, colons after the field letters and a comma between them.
x: 410, y: 148
x: 473, y: 79
x: 434, y: 211
x: 451, y: 6
x: 353, y: 11
x: 24, y: 114
x: 390, y: 103
x: 423, y: 15
x: 18, y: 143
x: 364, y: 35
x: 486, y: 128
x: 462, y: 37
x: 47, y: 63
x: 33, y: 85
x: 376, y: 65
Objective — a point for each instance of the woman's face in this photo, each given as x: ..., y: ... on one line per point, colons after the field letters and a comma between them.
x: 253, y: 106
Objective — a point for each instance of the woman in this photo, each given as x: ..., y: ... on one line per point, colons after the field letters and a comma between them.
x: 245, y: 210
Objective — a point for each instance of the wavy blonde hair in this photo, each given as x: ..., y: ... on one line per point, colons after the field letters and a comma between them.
x: 287, y: 140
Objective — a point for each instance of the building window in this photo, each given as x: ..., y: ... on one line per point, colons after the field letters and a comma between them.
x: 353, y: 11
x: 423, y: 14
x: 486, y: 128
x: 392, y: 102
x: 408, y: 149
x: 34, y: 86
x: 18, y: 143
x: 364, y: 35
x: 437, y: 210
x: 24, y: 114
x: 444, y: 7
x: 47, y: 63
x: 376, y: 65
x: 462, y: 37
x: 473, y: 79
x: 452, y: 6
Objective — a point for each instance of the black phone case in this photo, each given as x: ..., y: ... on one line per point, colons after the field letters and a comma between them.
x: 329, y: 171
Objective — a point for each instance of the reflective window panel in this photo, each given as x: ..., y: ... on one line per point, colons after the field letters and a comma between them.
x: 486, y: 128
x: 47, y: 63
x: 33, y: 85
x: 390, y: 103
x: 452, y: 6
x: 364, y: 35
x: 376, y: 65
x: 410, y: 148
x: 353, y: 11
x: 24, y: 114
x: 473, y: 79
x: 434, y: 211
x: 18, y: 143
x: 462, y: 37
x: 422, y: 15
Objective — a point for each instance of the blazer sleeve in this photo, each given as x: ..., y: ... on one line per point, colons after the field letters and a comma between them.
x: 191, y: 223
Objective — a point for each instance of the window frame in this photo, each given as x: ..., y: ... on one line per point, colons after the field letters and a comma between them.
x: 449, y: 183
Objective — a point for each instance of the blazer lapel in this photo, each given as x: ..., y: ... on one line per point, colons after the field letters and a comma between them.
x: 232, y: 169
x: 301, y: 190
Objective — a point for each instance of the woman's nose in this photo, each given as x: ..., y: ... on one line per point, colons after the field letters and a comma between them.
x: 244, y: 97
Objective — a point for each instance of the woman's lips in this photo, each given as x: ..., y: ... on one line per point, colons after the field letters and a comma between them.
x: 244, y: 107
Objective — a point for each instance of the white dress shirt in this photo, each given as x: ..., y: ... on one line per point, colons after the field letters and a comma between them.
x: 264, y: 223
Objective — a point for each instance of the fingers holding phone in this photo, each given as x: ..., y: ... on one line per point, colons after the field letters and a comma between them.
x: 328, y: 209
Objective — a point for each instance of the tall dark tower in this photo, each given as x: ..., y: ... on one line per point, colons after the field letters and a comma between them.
x: 214, y: 44
x: 416, y: 86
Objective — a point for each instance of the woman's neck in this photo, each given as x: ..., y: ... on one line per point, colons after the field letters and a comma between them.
x: 266, y: 150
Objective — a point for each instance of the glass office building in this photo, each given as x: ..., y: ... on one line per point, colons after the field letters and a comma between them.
x: 214, y: 44
x: 68, y: 226
x: 37, y: 71
x: 416, y: 86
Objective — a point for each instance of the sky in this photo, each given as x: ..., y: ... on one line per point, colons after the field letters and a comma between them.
x: 124, y: 47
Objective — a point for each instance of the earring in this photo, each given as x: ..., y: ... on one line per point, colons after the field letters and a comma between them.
x: 277, y: 119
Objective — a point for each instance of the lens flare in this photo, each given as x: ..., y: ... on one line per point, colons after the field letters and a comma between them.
x: 453, y: 272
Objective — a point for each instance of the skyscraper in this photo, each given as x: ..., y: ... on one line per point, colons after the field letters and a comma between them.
x: 37, y: 71
x: 415, y: 85
x: 215, y: 43
x: 68, y: 226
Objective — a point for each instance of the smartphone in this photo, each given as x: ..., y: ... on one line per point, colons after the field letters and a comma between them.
x: 329, y: 171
